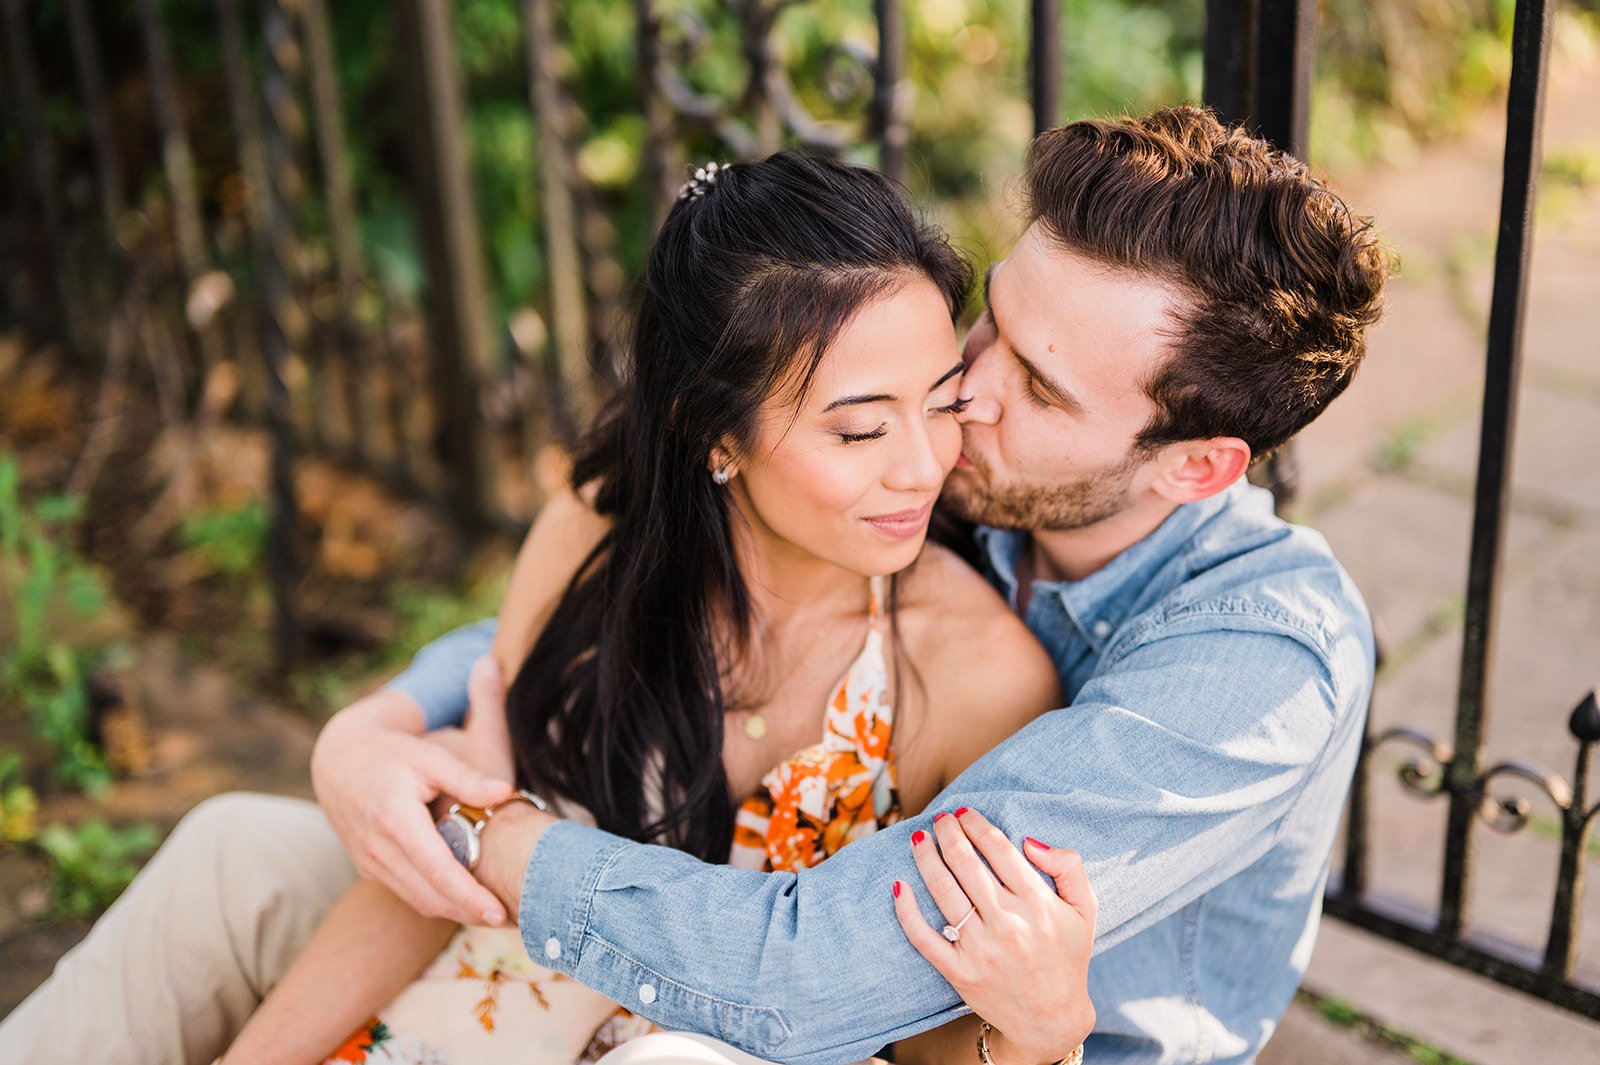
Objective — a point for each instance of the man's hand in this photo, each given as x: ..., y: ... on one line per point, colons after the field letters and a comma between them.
x: 374, y: 774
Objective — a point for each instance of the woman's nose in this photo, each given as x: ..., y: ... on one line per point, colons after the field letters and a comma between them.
x: 917, y: 467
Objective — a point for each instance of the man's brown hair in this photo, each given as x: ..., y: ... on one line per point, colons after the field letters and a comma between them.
x: 1280, y: 279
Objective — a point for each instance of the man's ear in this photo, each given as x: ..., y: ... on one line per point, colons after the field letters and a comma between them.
x: 1200, y: 469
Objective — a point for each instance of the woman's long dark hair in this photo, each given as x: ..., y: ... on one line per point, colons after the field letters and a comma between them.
x: 618, y: 706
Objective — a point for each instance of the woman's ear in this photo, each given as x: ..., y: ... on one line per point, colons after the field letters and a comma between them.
x: 721, y: 461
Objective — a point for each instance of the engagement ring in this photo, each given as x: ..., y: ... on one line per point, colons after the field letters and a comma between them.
x: 952, y: 932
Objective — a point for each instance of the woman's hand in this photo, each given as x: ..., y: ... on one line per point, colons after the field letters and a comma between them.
x: 1021, y: 955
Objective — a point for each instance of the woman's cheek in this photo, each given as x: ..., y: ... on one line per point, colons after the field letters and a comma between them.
x: 947, y: 442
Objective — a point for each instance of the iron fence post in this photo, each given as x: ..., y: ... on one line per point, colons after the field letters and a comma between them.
x: 888, y: 90
x: 1566, y: 913
x: 1530, y: 48
x: 41, y: 158
x: 1044, y: 64
x: 178, y: 161
x: 457, y: 298
x: 568, y: 333
x: 107, y: 165
x: 282, y: 319
x: 1229, y: 86
x: 348, y: 354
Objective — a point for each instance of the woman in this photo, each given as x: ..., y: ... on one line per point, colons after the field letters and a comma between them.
x: 736, y: 635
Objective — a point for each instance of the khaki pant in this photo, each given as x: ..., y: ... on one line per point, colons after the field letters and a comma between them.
x: 172, y: 971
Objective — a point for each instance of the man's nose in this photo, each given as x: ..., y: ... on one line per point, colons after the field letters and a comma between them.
x: 980, y: 386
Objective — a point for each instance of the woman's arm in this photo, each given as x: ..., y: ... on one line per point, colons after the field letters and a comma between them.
x: 371, y: 945
x: 1020, y: 960
x: 363, y: 954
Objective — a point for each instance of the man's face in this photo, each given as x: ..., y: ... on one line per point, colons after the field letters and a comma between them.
x: 1057, y: 369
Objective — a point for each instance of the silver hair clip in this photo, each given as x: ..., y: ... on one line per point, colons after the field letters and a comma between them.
x: 704, y: 178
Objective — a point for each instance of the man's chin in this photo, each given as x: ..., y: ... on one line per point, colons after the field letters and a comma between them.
x: 966, y: 495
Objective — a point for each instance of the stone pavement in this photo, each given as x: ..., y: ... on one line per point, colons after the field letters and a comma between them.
x: 1387, y: 475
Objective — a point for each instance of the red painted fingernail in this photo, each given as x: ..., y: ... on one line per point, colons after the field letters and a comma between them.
x: 897, y: 889
x: 937, y: 816
x: 961, y: 810
x: 1036, y: 843
x: 918, y: 836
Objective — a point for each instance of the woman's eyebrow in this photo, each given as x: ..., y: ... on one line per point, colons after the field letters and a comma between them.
x: 851, y: 401
x: 952, y: 372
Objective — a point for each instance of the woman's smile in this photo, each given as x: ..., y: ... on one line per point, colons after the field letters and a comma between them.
x: 902, y: 524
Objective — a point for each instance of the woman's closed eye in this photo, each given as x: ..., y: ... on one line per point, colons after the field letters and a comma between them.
x: 956, y: 407
x: 856, y: 438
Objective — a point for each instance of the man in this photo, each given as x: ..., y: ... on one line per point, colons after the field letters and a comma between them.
x: 1182, y: 302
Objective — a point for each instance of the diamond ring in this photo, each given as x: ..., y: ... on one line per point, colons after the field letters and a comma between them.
x: 952, y: 932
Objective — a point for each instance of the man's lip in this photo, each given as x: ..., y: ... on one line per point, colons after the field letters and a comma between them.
x: 964, y: 463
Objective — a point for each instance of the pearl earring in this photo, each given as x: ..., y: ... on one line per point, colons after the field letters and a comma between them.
x: 721, y: 475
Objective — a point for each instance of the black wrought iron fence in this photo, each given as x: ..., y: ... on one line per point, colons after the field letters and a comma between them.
x: 315, y: 371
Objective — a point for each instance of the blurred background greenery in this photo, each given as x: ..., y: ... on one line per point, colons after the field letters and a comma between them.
x: 1390, y: 74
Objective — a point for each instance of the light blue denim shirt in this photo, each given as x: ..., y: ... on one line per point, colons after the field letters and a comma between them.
x: 1218, y: 674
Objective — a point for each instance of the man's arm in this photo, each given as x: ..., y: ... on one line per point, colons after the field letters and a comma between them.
x: 436, y: 679
x: 1170, y: 773
x: 374, y: 774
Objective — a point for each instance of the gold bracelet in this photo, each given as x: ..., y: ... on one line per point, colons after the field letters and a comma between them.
x: 1074, y: 1058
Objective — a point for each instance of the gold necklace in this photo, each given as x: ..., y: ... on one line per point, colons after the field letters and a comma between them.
x: 755, y: 722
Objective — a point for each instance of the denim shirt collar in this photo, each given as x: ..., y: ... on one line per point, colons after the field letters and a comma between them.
x: 1099, y: 603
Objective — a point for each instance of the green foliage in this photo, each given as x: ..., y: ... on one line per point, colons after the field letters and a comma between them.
x: 92, y: 863
x: 427, y: 614
x: 231, y: 541
x: 1389, y: 73
x: 1344, y: 1015
x: 19, y: 806
x: 39, y: 670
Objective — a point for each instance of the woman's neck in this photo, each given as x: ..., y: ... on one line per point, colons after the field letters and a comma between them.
x: 789, y: 585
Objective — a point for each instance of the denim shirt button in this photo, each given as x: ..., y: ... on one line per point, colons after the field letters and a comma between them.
x: 1102, y: 629
x: 647, y: 993
x: 552, y: 948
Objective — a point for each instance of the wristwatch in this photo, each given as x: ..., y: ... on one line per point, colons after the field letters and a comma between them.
x: 462, y: 825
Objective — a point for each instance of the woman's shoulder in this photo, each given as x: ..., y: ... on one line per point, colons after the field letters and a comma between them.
x: 982, y: 675
x: 966, y: 638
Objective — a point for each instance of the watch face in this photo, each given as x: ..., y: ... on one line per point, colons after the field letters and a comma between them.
x: 459, y: 836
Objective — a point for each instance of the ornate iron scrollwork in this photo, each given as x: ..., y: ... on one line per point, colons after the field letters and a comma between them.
x: 1424, y: 772
x: 1427, y: 774
x: 849, y: 69
x: 1510, y: 813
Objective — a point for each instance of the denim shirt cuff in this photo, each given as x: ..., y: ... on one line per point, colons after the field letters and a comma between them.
x: 557, y: 890
x: 436, y: 679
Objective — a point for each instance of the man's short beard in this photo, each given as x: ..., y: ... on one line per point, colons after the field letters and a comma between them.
x: 1091, y: 498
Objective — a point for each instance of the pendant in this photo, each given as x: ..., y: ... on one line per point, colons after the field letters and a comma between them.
x: 755, y: 726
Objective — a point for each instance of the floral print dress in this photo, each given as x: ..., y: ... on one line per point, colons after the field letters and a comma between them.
x: 483, y: 1001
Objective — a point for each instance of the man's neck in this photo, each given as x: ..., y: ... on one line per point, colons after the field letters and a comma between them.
x: 1073, y: 554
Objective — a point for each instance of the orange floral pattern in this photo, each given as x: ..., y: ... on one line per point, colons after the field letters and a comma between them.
x: 824, y: 797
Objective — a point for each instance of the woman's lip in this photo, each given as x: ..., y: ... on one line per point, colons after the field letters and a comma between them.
x: 902, y: 524
x: 964, y: 463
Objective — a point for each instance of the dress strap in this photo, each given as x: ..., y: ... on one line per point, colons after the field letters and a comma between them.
x: 878, y: 589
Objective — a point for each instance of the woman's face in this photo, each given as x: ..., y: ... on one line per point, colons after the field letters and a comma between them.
x: 851, y: 477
